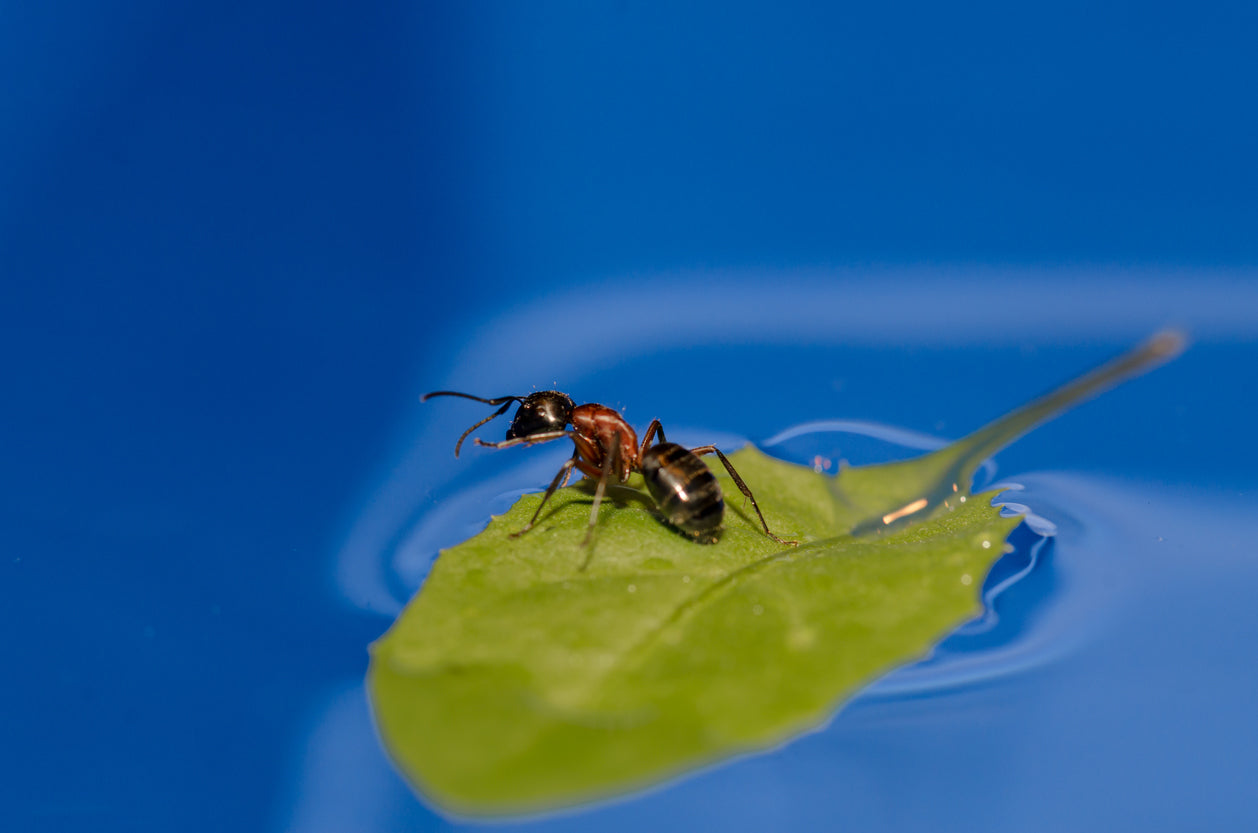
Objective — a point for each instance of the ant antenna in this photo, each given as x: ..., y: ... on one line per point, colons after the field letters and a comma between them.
x: 504, y: 401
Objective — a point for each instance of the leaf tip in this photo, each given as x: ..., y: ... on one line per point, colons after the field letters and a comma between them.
x: 1167, y: 344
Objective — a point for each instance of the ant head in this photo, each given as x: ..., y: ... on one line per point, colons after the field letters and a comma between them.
x: 546, y: 410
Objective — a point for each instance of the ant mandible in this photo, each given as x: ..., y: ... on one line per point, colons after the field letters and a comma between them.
x: 606, y: 446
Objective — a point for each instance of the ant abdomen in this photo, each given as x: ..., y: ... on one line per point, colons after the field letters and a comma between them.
x: 684, y: 489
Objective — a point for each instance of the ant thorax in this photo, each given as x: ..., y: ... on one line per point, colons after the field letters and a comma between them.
x: 601, y: 427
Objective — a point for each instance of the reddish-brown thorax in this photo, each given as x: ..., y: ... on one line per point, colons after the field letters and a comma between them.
x: 598, y: 427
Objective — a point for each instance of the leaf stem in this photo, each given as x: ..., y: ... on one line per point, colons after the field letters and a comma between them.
x: 934, y: 479
x: 973, y: 449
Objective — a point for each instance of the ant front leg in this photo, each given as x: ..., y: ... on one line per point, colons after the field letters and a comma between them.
x: 544, y: 437
x: 565, y: 471
x: 742, y: 487
x: 609, y: 465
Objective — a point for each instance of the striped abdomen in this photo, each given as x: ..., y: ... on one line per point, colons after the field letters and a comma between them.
x: 683, y: 488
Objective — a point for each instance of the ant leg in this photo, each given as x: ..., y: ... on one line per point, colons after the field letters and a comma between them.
x: 565, y: 471
x: 609, y: 465
x: 651, y: 430
x: 742, y: 487
x: 544, y: 437
x: 463, y: 436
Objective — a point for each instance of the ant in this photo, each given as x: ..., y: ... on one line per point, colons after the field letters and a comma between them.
x: 606, y: 446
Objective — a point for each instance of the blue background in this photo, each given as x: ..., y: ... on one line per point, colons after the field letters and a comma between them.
x: 236, y: 242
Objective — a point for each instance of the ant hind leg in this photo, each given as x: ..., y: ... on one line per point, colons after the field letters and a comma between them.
x: 742, y: 487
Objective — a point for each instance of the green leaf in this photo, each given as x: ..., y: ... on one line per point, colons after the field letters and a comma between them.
x: 515, y: 682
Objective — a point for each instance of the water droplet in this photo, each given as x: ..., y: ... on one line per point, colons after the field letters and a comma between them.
x: 685, y: 579
x: 757, y: 609
x: 965, y: 579
x: 987, y: 545
x: 633, y: 588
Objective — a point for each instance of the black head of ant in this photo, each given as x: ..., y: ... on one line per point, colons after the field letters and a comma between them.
x: 539, y: 412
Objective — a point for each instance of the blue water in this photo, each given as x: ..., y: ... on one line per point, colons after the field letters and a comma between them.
x: 238, y: 240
